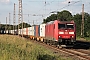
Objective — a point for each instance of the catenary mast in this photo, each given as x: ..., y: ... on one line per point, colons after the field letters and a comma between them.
x: 20, y: 16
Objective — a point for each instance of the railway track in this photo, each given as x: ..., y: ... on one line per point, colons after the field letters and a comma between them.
x: 79, y: 53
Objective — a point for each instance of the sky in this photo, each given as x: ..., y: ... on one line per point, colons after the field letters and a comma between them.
x: 39, y: 9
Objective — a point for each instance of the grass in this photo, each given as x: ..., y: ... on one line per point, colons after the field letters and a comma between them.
x: 85, y: 38
x: 17, y: 48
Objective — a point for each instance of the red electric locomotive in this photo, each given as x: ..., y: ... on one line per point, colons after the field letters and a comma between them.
x: 61, y: 32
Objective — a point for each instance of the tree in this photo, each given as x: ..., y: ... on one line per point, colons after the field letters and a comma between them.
x: 64, y: 15
x: 78, y: 19
x: 25, y: 25
x: 87, y: 25
x: 50, y: 18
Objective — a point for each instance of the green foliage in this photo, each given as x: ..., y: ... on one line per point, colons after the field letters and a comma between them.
x: 25, y: 25
x: 87, y: 25
x: 77, y: 18
x: 16, y: 48
x: 10, y: 27
x: 3, y: 26
x: 64, y: 15
x: 46, y: 57
x: 50, y: 18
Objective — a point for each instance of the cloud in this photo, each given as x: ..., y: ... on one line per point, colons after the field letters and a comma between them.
x: 5, y: 1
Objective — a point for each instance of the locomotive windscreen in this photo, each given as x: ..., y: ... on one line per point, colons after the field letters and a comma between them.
x: 61, y: 26
x: 65, y: 26
x: 70, y: 26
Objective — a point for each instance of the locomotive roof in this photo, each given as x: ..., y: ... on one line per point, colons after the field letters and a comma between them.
x: 51, y: 22
x: 67, y: 21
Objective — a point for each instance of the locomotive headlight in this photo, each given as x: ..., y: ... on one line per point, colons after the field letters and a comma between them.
x: 72, y: 36
x: 59, y: 36
x: 61, y: 32
x: 71, y: 32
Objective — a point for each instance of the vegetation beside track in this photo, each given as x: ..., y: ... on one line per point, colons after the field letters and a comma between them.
x: 17, y: 48
x: 84, y: 39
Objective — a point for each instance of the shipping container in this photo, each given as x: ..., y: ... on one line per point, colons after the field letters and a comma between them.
x: 19, y: 32
x: 39, y: 30
x: 31, y: 31
x: 15, y: 31
x: 11, y: 31
x: 42, y: 30
x: 6, y: 31
x: 2, y: 32
x: 36, y: 31
x: 28, y: 31
x: 24, y: 31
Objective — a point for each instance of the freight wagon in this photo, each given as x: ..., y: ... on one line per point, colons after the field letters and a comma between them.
x: 37, y: 32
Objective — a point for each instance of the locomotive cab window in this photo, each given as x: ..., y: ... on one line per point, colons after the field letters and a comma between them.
x: 61, y: 26
x: 70, y: 26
